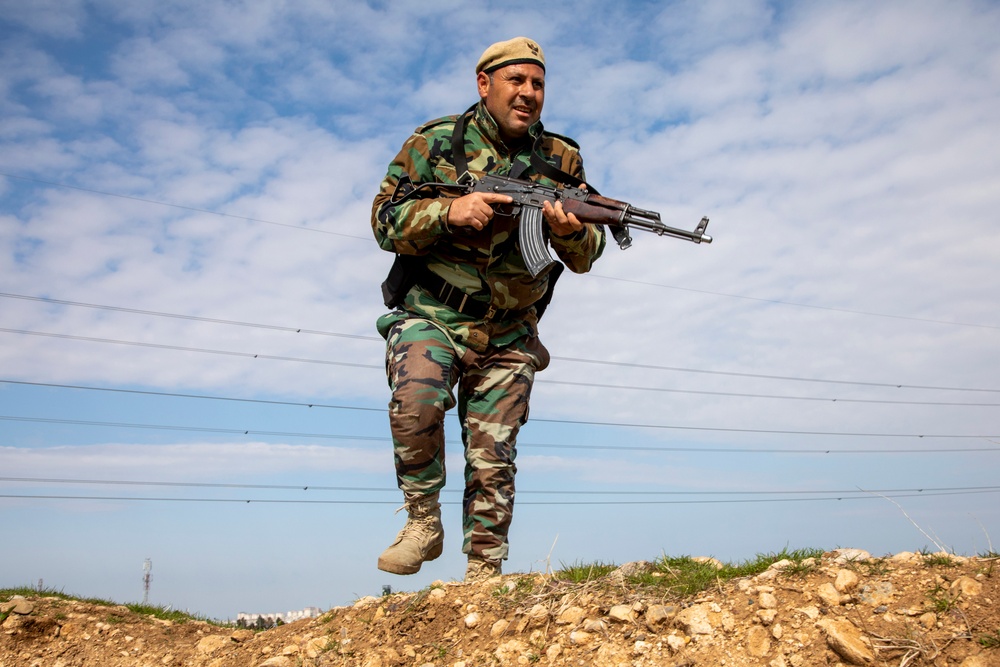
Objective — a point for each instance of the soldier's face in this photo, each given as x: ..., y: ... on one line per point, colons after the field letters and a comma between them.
x: 514, y: 95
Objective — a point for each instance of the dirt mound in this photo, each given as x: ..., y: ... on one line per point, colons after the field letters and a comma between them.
x: 845, y: 608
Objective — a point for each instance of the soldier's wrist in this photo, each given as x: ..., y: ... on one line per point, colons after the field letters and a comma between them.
x: 445, y: 227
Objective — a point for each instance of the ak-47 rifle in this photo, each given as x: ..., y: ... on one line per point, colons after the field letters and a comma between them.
x: 529, y: 197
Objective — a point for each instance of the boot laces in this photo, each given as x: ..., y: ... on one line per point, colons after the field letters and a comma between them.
x: 422, y: 526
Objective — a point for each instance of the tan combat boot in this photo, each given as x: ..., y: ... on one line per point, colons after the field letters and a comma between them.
x: 480, y: 569
x: 421, y: 539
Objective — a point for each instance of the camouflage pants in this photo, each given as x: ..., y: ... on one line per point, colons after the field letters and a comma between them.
x: 424, y: 366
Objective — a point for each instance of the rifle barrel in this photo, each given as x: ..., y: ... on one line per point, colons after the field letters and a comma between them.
x: 650, y: 221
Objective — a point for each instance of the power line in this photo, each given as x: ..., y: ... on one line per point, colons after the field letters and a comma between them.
x: 797, y: 304
x: 591, y: 274
x: 588, y: 492
x: 759, y: 431
x: 205, y: 485
x: 892, y: 385
x: 193, y: 318
x: 575, y: 502
x: 537, y: 381
x: 292, y: 434
x: 759, y: 450
x: 763, y: 376
x: 182, y: 348
x: 194, y: 429
x: 784, y: 397
x: 169, y: 394
x: 254, y: 355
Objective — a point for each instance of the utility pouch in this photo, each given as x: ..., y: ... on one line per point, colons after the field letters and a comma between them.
x: 402, y: 276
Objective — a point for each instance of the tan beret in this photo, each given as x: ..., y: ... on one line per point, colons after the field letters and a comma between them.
x: 511, y: 52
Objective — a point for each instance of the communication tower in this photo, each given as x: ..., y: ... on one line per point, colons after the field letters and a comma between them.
x: 147, y: 576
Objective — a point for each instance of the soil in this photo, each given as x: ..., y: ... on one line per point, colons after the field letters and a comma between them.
x: 845, y: 608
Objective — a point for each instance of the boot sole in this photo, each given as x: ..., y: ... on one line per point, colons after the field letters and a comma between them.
x: 400, y: 568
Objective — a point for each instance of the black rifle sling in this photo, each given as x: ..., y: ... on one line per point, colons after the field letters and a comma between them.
x: 538, y: 163
x: 406, y: 269
x: 545, y: 168
x: 458, y: 157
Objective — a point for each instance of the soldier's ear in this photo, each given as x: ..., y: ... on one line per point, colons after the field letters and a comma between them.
x: 483, y: 82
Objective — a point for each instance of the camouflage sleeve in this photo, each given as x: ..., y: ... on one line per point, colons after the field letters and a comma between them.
x: 578, y: 251
x: 412, y: 227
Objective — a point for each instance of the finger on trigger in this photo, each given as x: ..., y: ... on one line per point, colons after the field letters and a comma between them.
x: 497, y: 198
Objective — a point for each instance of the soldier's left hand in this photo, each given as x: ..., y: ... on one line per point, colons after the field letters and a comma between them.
x: 560, y: 222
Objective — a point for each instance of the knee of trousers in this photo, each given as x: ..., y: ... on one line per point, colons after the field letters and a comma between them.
x: 418, y: 418
x: 483, y: 473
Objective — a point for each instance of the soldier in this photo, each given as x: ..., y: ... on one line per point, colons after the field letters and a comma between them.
x: 466, y: 309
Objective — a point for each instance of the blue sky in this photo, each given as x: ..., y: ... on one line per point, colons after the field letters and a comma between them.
x: 189, y: 286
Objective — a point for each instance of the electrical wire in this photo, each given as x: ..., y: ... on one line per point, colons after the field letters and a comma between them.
x: 168, y: 394
x: 575, y: 502
x: 783, y: 397
x: 795, y: 303
x: 588, y: 492
x: 181, y: 348
x: 619, y: 364
x: 892, y: 385
x: 329, y: 436
x: 172, y: 394
x: 192, y: 318
x: 589, y: 275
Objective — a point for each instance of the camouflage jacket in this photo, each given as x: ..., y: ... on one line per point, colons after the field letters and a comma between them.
x: 485, y: 264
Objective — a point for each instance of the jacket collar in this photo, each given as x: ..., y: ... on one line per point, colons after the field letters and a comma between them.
x: 489, y: 127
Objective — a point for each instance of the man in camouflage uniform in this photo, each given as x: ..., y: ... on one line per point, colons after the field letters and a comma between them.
x: 469, y: 320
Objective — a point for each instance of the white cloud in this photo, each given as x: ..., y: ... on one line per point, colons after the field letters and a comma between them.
x: 141, y: 64
x: 53, y: 18
x: 845, y: 153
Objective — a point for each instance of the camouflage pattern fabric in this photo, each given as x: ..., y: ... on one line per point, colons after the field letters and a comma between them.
x: 485, y: 264
x: 433, y: 350
x: 423, y: 363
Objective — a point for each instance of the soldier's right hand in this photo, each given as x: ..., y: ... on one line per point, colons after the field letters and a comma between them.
x: 475, y: 209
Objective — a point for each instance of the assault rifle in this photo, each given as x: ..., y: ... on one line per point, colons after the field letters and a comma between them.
x: 528, y: 200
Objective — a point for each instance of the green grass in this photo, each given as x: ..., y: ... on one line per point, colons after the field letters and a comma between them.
x: 514, y: 591
x: 579, y: 573
x: 939, y: 559
x: 162, y: 613
x: 990, y: 640
x: 940, y: 600
x: 874, y: 567
x: 683, y: 576
x: 990, y: 558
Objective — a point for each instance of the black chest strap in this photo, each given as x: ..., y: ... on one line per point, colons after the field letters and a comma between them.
x: 540, y: 165
x: 460, y: 160
x: 458, y: 156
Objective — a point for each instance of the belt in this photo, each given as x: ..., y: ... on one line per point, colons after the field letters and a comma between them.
x: 456, y: 299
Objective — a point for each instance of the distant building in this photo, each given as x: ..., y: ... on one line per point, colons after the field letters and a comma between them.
x: 261, y: 621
